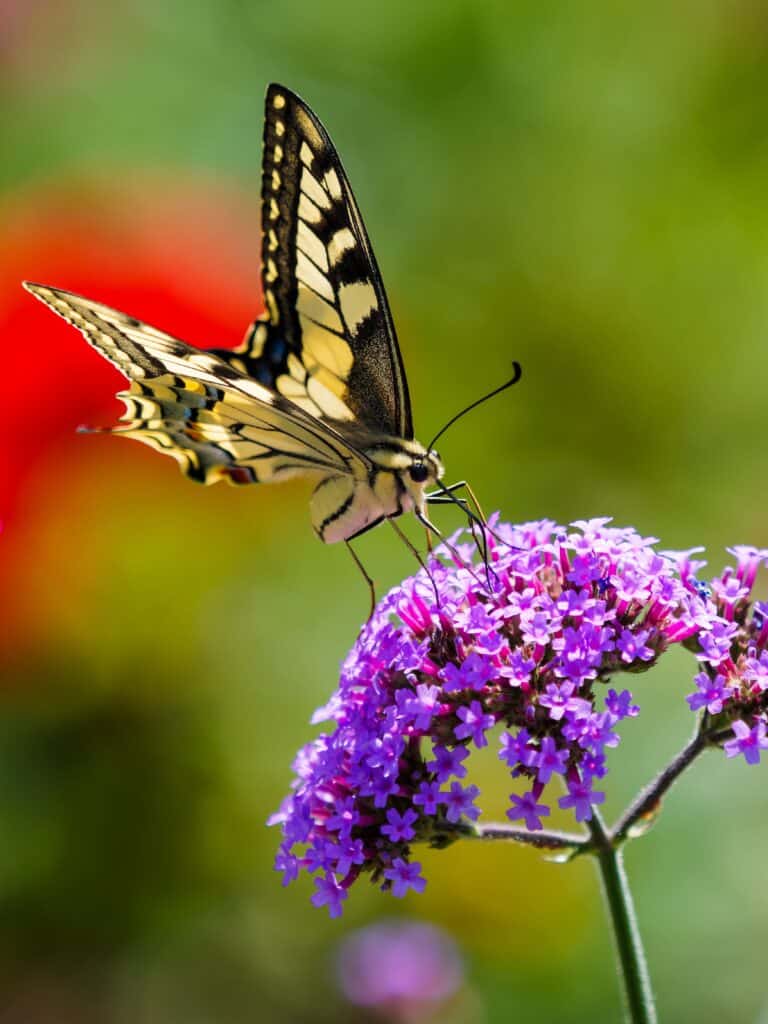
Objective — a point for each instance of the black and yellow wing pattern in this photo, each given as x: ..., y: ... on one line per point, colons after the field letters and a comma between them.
x: 189, y: 403
x: 326, y: 340
x: 317, y: 388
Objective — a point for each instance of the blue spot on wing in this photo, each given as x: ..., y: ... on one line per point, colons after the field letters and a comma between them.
x: 276, y: 350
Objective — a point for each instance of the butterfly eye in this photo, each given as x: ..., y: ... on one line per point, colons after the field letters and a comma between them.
x: 418, y: 472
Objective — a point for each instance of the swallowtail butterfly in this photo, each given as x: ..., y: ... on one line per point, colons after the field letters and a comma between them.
x: 317, y: 388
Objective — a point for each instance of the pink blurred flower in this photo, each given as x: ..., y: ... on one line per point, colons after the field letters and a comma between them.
x: 405, y: 970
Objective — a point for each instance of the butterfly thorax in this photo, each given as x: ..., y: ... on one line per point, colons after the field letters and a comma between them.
x: 399, y: 472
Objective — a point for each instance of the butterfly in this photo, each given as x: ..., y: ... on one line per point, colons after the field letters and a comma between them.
x: 317, y: 388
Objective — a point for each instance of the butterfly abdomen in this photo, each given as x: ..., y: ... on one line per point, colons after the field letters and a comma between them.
x: 344, y: 506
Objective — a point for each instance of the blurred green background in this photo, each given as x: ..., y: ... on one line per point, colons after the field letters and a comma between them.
x: 581, y: 187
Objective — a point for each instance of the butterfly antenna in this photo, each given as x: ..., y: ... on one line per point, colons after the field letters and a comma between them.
x: 518, y: 372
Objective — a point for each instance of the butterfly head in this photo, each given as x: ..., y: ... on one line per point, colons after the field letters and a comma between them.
x: 425, y: 469
x: 415, y: 467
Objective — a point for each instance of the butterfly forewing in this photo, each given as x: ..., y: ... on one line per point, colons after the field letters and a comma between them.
x: 326, y: 340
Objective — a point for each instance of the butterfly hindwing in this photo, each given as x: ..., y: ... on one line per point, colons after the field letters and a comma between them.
x: 214, y: 434
x: 326, y: 340
x: 188, y: 403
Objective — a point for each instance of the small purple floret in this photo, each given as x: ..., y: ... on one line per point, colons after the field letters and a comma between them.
x: 428, y: 796
x: 527, y: 808
x: 550, y: 760
x: 581, y: 798
x: 329, y: 894
x: 459, y: 801
x: 748, y: 742
x: 447, y: 762
x: 474, y: 724
x: 710, y: 694
x: 405, y: 876
x: 399, y: 826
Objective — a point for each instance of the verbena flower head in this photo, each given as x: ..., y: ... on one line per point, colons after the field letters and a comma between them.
x: 402, y: 968
x: 527, y: 644
x: 731, y: 644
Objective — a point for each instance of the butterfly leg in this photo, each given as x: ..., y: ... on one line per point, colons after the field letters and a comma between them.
x: 446, y: 543
x: 428, y: 526
x: 446, y: 499
x: 474, y: 522
x: 447, y: 496
x: 428, y: 535
x: 484, y: 530
x: 441, y: 497
x: 450, y: 489
x: 414, y: 551
x: 449, y: 499
x: 475, y: 502
x: 366, y: 577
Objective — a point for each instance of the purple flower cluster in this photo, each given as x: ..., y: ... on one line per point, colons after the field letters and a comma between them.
x: 527, y: 642
x: 731, y: 644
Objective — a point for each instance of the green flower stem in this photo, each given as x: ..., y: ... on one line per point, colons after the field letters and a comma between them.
x: 543, y: 839
x: 646, y: 803
x: 606, y: 846
x: 629, y: 948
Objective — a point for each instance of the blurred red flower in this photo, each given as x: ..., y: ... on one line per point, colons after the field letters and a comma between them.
x: 183, y: 256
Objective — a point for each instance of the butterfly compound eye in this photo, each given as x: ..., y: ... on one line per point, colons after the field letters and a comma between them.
x: 418, y: 472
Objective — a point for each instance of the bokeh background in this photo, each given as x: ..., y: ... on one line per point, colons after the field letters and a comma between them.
x: 581, y: 187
